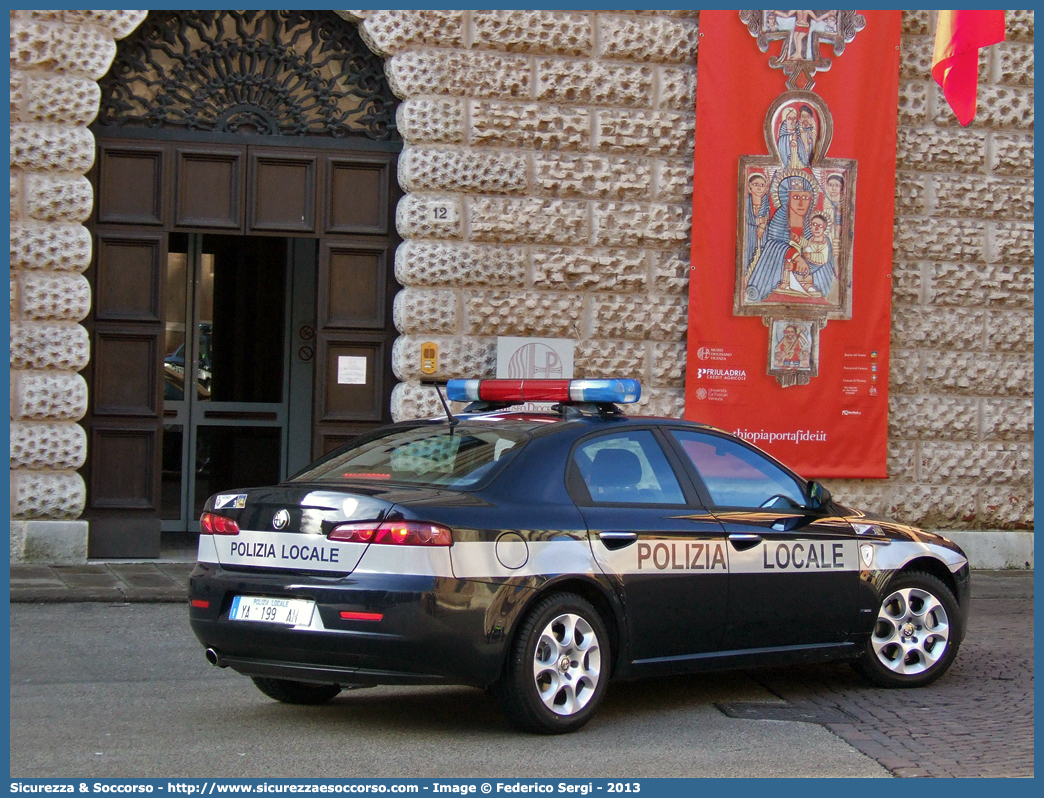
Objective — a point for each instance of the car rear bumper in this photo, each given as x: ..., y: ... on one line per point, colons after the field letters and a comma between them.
x: 431, y: 630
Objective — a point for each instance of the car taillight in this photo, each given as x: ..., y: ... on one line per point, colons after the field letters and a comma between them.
x: 211, y: 524
x: 399, y: 533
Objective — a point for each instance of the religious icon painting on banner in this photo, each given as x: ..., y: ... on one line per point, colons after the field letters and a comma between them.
x: 796, y: 206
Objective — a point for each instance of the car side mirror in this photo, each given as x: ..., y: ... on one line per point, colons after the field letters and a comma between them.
x: 817, y: 495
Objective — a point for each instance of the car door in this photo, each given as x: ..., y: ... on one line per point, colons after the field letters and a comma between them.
x: 650, y: 535
x: 793, y: 570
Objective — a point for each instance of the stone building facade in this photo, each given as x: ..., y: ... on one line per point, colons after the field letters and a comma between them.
x: 547, y: 173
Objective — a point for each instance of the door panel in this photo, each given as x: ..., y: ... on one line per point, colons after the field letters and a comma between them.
x: 362, y: 267
x: 131, y: 183
x: 358, y: 195
x: 127, y: 278
x: 209, y: 188
x: 283, y: 192
x: 125, y: 373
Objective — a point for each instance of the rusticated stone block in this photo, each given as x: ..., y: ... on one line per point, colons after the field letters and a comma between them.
x: 941, y: 150
x: 37, y: 345
x: 872, y: 496
x: 564, y: 175
x: 589, y: 269
x: 49, y: 542
x: 533, y: 32
x: 938, y: 328
x: 54, y: 296
x: 666, y: 41
x: 528, y: 220
x: 656, y: 133
x: 48, y: 395
x: 62, y: 48
x: 677, y: 89
x: 997, y: 107
x: 1006, y: 509
x: 904, y: 371
x: 17, y: 96
x: 426, y: 310
x: 1009, y: 331
x: 1011, y: 242
x: 902, y: 460
x: 661, y: 402
x: 531, y: 127
x: 16, y: 196
x: 976, y: 373
x: 953, y: 418
x: 995, y: 285
x: 915, y: 57
x: 462, y: 170
x: 668, y: 365
x: 427, y: 216
x: 627, y: 224
x: 461, y: 74
x: 909, y: 195
x: 935, y: 506
x: 118, y: 23
x: 639, y: 317
x: 15, y: 303
x: 990, y: 198
x: 61, y: 247
x: 676, y: 13
x: 422, y: 263
x: 977, y: 463
x: 907, y: 282
x: 1012, y: 155
x: 424, y: 120
x: 61, y: 100
x: 1015, y: 63
x: 674, y: 181
x: 594, y: 83
x: 388, y: 32
x: 1006, y: 419
x: 917, y: 23
x: 46, y: 494
x: 598, y: 359
x: 913, y: 103
x: 940, y: 239
x: 459, y: 357
x: 415, y: 401
x: 1019, y: 25
x: 548, y: 314
x: 37, y: 444
x: 58, y: 199
x: 671, y: 272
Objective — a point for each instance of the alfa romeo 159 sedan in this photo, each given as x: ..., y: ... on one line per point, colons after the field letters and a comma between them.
x: 541, y: 554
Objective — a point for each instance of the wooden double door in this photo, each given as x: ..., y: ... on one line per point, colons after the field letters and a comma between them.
x: 241, y: 323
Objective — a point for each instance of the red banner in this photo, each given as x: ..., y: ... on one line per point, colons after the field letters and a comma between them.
x: 790, y: 289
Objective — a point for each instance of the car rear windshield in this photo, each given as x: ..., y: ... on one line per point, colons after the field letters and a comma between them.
x: 427, y: 455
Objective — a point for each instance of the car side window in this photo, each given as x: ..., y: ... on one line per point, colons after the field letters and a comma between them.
x: 628, y: 467
x: 736, y: 476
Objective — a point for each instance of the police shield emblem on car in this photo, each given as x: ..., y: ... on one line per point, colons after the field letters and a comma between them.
x: 541, y: 554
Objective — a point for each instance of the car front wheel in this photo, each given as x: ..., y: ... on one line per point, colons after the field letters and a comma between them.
x: 558, y: 667
x: 914, y: 639
x: 291, y: 692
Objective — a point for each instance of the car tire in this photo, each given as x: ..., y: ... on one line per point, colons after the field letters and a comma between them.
x: 557, y: 669
x: 291, y: 692
x: 915, y: 635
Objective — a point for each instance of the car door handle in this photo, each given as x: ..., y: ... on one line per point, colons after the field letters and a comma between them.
x: 617, y: 540
x: 741, y: 541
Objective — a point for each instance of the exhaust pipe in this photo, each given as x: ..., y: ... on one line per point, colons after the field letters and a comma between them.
x: 214, y: 658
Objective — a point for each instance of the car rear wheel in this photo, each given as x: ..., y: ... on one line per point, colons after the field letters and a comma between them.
x: 914, y: 639
x: 291, y: 692
x: 558, y: 667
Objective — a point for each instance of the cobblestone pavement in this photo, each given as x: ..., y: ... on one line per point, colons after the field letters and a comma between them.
x: 975, y: 721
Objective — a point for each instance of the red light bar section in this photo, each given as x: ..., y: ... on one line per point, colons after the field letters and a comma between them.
x: 524, y: 390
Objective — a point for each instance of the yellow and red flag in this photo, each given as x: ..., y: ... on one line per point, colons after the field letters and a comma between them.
x: 955, y: 66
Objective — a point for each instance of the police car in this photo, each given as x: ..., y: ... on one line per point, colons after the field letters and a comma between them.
x: 540, y: 555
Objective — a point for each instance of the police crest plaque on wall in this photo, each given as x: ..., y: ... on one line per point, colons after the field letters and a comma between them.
x: 796, y: 206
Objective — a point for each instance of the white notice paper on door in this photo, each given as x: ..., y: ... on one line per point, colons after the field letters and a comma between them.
x: 351, y: 370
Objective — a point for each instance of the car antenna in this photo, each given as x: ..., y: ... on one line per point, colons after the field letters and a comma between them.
x: 453, y: 420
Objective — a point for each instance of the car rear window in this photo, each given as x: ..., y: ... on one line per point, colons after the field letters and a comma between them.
x: 428, y: 455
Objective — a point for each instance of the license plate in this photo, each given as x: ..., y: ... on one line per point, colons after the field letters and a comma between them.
x: 297, y: 612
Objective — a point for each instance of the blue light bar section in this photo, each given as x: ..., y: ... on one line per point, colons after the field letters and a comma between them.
x: 623, y: 392
x: 462, y: 390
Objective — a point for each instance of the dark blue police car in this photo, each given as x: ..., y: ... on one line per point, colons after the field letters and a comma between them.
x: 539, y: 555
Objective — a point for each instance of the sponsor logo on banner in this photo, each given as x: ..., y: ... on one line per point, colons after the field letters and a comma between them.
x: 713, y: 353
x: 721, y: 374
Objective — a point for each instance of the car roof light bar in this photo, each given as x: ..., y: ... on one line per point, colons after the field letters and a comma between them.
x: 617, y: 391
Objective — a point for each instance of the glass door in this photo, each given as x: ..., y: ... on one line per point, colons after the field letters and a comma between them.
x: 225, y: 369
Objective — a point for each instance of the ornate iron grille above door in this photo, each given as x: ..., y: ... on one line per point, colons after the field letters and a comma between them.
x: 275, y: 73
